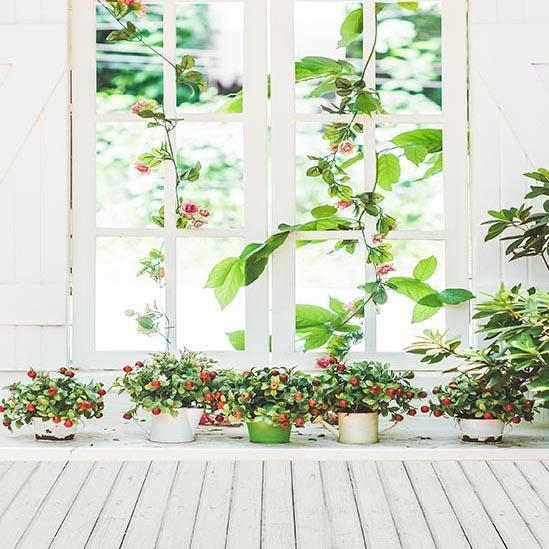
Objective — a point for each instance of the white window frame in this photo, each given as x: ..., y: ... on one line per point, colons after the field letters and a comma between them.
x: 453, y: 120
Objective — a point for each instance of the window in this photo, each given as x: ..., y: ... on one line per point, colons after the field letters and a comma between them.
x: 113, y: 205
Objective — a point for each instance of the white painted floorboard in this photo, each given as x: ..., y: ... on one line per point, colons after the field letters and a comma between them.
x: 274, y: 504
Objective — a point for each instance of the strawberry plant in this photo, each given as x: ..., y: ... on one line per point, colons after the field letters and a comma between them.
x: 470, y: 398
x: 365, y: 387
x: 60, y: 398
x: 164, y: 383
x: 277, y: 396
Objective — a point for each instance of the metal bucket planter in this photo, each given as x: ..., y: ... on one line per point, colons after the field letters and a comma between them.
x: 48, y: 430
x: 481, y: 431
x: 166, y: 428
x: 265, y: 433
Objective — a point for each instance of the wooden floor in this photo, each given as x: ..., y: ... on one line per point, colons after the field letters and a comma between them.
x: 274, y: 504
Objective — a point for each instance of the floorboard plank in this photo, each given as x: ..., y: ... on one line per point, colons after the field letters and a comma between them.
x: 55, y: 507
x: 24, y: 506
x: 180, y: 515
x: 80, y: 521
x: 278, y: 527
x: 538, y: 477
x: 144, y: 526
x: 444, y: 525
x: 13, y: 482
x: 311, y: 517
x: 210, y: 530
x: 245, y: 518
x: 499, y: 507
x: 115, y: 516
x: 530, y: 507
x: 409, y: 519
x: 375, y: 513
x: 4, y: 467
x: 345, y: 527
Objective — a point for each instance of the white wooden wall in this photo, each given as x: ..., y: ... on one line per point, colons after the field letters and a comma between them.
x: 34, y: 183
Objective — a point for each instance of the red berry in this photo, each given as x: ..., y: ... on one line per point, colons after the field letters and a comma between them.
x: 275, y: 373
x: 208, y: 397
x: 52, y: 391
x: 437, y: 413
x: 390, y: 392
x: 299, y: 422
x: 69, y: 373
x: 220, y: 405
x: 528, y: 404
x: 283, y: 378
x: 213, y: 375
x: 311, y: 403
x: 332, y: 360
x: 399, y: 391
x: 139, y: 364
x: 516, y: 420
x: 220, y: 418
x: 375, y: 389
x: 204, y: 376
x: 398, y: 417
x: 6, y: 423
x: 155, y: 411
x: 2, y: 409
x: 31, y: 374
x: 487, y: 415
x: 341, y: 367
x: 282, y: 418
x: 412, y: 412
x: 155, y: 384
x: 189, y: 384
x: 62, y: 370
x: 56, y: 419
x: 31, y: 407
x: 217, y: 395
x: 245, y: 373
x: 68, y: 423
x: 409, y: 395
x: 127, y: 415
x: 342, y: 403
x: 425, y: 409
x: 354, y: 381
x: 127, y: 369
x: 423, y: 394
x: 314, y: 412
x: 101, y: 392
x: 445, y: 401
x: 509, y: 407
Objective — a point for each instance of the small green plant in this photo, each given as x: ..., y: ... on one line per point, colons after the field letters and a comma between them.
x: 165, y: 383
x: 277, y: 396
x: 470, y: 398
x: 364, y: 387
x: 59, y: 398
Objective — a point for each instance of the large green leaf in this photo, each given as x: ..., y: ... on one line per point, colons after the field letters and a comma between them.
x: 388, y: 171
x: 316, y: 337
x: 307, y: 316
x: 351, y: 28
x: 421, y: 313
x: 257, y: 261
x: 410, y: 6
x: 430, y: 138
x: 453, y: 296
x: 237, y: 339
x: 410, y: 287
x: 232, y: 283
x: 219, y: 272
x: 323, y: 211
x: 425, y: 268
x: 315, y: 67
x: 367, y: 103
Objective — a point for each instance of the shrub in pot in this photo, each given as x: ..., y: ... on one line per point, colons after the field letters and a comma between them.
x: 271, y: 400
x: 358, y: 393
x: 175, y: 390
x: 53, y: 404
x: 480, y: 411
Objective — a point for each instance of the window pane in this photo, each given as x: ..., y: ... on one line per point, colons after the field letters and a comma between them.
x: 317, y: 33
x: 119, y: 289
x: 312, y: 191
x: 220, y: 189
x: 214, y: 35
x: 409, y: 58
x: 127, y: 71
x: 125, y: 198
x: 394, y: 323
x: 321, y: 275
x: 416, y: 201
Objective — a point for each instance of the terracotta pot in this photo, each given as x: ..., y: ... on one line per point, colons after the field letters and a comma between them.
x: 166, y: 428
x: 48, y: 430
x: 483, y: 431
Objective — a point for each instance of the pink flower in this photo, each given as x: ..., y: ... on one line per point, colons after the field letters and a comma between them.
x: 189, y: 208
x: 385, y: 269
x: 342, y: 204
x: 143, y: 105
x: 347, y: 147
x: 128, y: 2
x: 377, y: 239
x: 143, y: 169
x: 204, y: 212
x: 350, y: 307
x: 323, y: 362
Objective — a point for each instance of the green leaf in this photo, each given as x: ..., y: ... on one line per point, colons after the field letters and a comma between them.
x: 316, y: 338
x: 425, y: 268
x: 453, y: 296
x: 323, y: 211
x: 436, y: 167
x: 422, y: 312
x: 388, y: 171
x: 237, y: 339
x: 430, y: 138
x: 351, y: 28
x: 219, y: 272
x: 307, y: 316
x: 410, y: 287
x: 410, y: 6
x: 234, y: 280
x: 316, y: 66
x: 352, y: 161
x: 256, y: 262
x: 232, y: 105
x: 367, y: 103
x: 337, y: 306
x: 415, y: 153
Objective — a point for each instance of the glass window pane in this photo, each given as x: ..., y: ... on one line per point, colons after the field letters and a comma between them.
x: 201, y: 322
x: 395, y: 330
x: 214, y: 35
x: 119, y: 290
x: 220, y: 189
x: 409, y: 58
x: 128, y: 71
x: 126, y: 198
x: 317, y: 34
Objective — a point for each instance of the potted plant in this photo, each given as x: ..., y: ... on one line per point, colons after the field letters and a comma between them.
x: 358, y: 393
x: 175, y: 390
x: 53, y: 405
x: 480, y: 411
x: 271, y: 400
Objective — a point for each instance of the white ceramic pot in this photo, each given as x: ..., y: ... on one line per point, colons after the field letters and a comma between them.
x: 181, y: 428
x: 48, y: 430
x: 356, y: 428
x: 484, y: 431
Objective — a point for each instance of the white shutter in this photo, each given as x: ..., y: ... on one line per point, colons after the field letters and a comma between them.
x: 509, y: 113
x: 34, y: 184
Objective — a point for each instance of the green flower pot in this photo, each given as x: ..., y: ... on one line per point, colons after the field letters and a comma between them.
x: 265, y: 433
